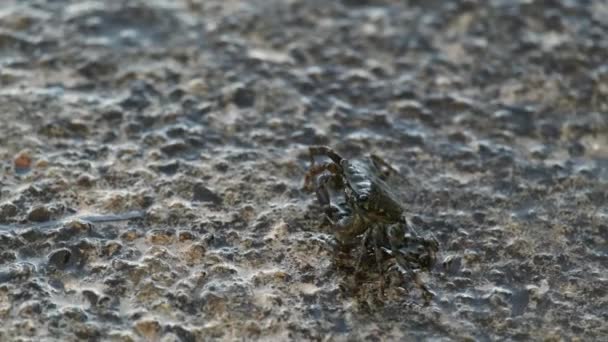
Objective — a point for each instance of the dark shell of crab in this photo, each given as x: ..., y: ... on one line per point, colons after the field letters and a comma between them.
x: 370, y: 193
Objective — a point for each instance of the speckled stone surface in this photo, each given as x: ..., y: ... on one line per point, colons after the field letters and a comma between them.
x: 153, y: 152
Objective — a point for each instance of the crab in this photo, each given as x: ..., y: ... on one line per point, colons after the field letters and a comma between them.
x: 363, y: 210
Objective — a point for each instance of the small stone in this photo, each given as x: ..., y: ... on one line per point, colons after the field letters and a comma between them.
x: 111, y: 248
x: 7, y: 210
x: 184, y: 236
x: 549, y: 131
x: 137, y: 100
x: 182, y: 333
x: 496, y: 275
x: 200, y: 193
x: 148, y: 328
x: 121, y: 336
x: 161, y: 236
x: 169, y: 168
x: 223, y: 270
x: 517, y: 248
x: 87, y: 332
x: 7, y: 256
x: 195, y: 253
x: 174, y: 148
x: 253, y: 329
x: 411, y: 138
x: 452, y: 263
x: 74, y: 314
x: 499, y: 299
x: 263, y: 278
x: 212, y: 302
x: 520, y: 120
x: 153, y: 139
x: 21, y: 271
x: 113, y: 115
x: 79, y: 226
x: 85, y: 180
x: 197, y: 86
x: 471, y: 256
x: 133, y: 128
x: 91, y: 296
x: 30, y: 308
x: 576, y: 149
x: 170, y: 337
x: 5, y: 310
x: 77, y: 128
x: 543, y: 259
x: 23, y: 161
x: 9, y: 241
x: 479, y: 217
x: 42, y: 163
x: 109, y: 137
x: 39, y: 214
x: 60, y: 258
x: 243, y: 97
x: 72, y: 229
x: 107, y: 302
x: 221, y: 166
x: 96, y: 68
x: 32, y: 235
x: 130, y: 235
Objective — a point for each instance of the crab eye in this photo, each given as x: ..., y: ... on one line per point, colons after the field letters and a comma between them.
x: 362, y: 198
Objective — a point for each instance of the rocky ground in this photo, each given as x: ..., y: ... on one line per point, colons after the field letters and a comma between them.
x: 153, y: 155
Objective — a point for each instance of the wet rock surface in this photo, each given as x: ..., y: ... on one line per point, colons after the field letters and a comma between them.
x: 198, y: 114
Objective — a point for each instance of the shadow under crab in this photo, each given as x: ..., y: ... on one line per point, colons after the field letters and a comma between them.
x: 365, y: 213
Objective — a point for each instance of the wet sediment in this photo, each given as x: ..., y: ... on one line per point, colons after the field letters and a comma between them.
x: 195, y: 117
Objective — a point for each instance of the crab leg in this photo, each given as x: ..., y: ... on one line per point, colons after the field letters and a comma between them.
x: 316, y: 170
x: 363, y: 248
x: 323, y: 151
x: 321, y: 190
x: 396, y: 239
x: 377, y: 235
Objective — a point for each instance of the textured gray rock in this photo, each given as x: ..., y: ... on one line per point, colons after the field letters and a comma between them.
x: 196, y: 115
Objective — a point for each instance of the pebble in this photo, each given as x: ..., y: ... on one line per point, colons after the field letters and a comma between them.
x: 60, y: 258
x: 243, y: 97
x: 195, y: 253
x: 130, y: 235
x: 112, y: 115
x: 23, y: 161
x: 29, y: 308
x: 91, y: 296
x: 85, y: 180
x: 184, y: 334
x: 161, y: 236
x: 150, y: 329
x: 111, y: 248
x: 39, y: 214
x: 174, y: 148
x: 33, y: 235
x: 7, y: 210
x: 184, y: 236
x: 168, y: 169
x: 88, y: 331
x: 196, y: 115
x: 201, y: 193
x: 7, y: 256
x: 74, y: 314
